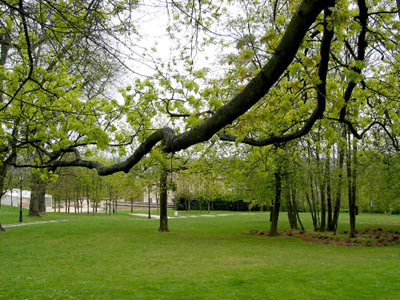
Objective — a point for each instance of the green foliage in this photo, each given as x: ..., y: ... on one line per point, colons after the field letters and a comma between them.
x: 220, y: 203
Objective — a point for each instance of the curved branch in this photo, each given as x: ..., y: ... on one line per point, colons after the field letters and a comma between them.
x: 321, y: 98
x: 252, y: 93
x: 260, y: 85
x: 165, y: 134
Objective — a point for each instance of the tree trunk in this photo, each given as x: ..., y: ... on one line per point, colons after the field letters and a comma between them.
x: 163, y: 201
x: 293, y: 197
x: 38, y: 191
x: 3, y: 174
x: 277, y: 203
x: 336, y: 209
x: 328, y: 190
x: 311, y: 200
x: 87, y: 200
x: 291, y: 208
x: 313, y: 218
x: 323, y: 208
x: 352, y: 185
x: 34, y: 205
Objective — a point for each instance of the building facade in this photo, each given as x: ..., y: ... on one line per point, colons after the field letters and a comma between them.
x: 13, y: 198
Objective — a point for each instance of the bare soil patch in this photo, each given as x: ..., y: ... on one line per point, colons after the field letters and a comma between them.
x: 365, y: 237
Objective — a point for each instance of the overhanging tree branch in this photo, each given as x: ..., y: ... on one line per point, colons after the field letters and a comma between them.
x: 321, y: 99
x: 252, y: 93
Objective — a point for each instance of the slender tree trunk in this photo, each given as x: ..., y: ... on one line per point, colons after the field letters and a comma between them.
x: 291, y: 206
x: 312, y: 202
x: 313, y: 216
x: 163, y: 201
x: 328, y: 190
x: 294, y: 207
x: 320, y: 188
x: 321, y: 193
x: 87, y: 199
x: 301, y: 223
x: 336, y: 209
x: 277, y: 203
x: 352, y: 185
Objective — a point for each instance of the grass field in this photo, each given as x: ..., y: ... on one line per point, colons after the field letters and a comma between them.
x: 124, y: 257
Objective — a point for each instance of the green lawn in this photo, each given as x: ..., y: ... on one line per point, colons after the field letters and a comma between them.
x: 123, y: 257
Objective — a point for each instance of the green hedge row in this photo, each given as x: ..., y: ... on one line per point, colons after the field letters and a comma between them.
x: 216, y: 204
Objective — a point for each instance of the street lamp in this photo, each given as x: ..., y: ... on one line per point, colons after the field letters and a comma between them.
x: 20, y: 203
x: 149, y: 201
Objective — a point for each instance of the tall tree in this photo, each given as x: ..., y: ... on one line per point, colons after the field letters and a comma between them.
x: 311, y: 66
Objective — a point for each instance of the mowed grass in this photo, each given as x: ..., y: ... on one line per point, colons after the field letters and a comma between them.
x: 124, y: 257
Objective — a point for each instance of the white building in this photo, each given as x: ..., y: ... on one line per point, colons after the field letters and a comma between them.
x: 13, y: 198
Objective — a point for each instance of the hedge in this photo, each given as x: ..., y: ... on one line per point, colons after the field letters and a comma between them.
x: 218, y: 203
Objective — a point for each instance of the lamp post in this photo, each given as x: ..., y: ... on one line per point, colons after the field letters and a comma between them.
x: 20, y: 203
x: 149, y: 201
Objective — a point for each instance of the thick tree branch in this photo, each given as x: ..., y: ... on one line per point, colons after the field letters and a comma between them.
x: 260, y: 85
x: 398, y: 7
x: 252, y: 93
x: 166, y: 135
x: 362, y: 45
x: 321, y: 98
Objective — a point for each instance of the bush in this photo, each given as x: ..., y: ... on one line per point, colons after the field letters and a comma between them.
x: 396, y: 210
x: 218, y: 203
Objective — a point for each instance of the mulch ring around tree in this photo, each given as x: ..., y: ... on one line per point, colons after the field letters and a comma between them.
x: 364, y: 237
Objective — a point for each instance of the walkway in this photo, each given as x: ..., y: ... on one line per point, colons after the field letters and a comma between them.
x: 33, y: 223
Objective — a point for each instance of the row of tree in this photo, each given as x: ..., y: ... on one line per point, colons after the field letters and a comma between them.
x: 311, y: 82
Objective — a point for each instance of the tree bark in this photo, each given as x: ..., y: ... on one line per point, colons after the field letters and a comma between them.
x: 291, y: 204
x: 322, y: 226
x: 38, y: 191
x: 277, y: 203
x: 352, y: 173
x: 163, y: 201
x: 340, y: 167
x: 328, y: 189
x: 3, y: 173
